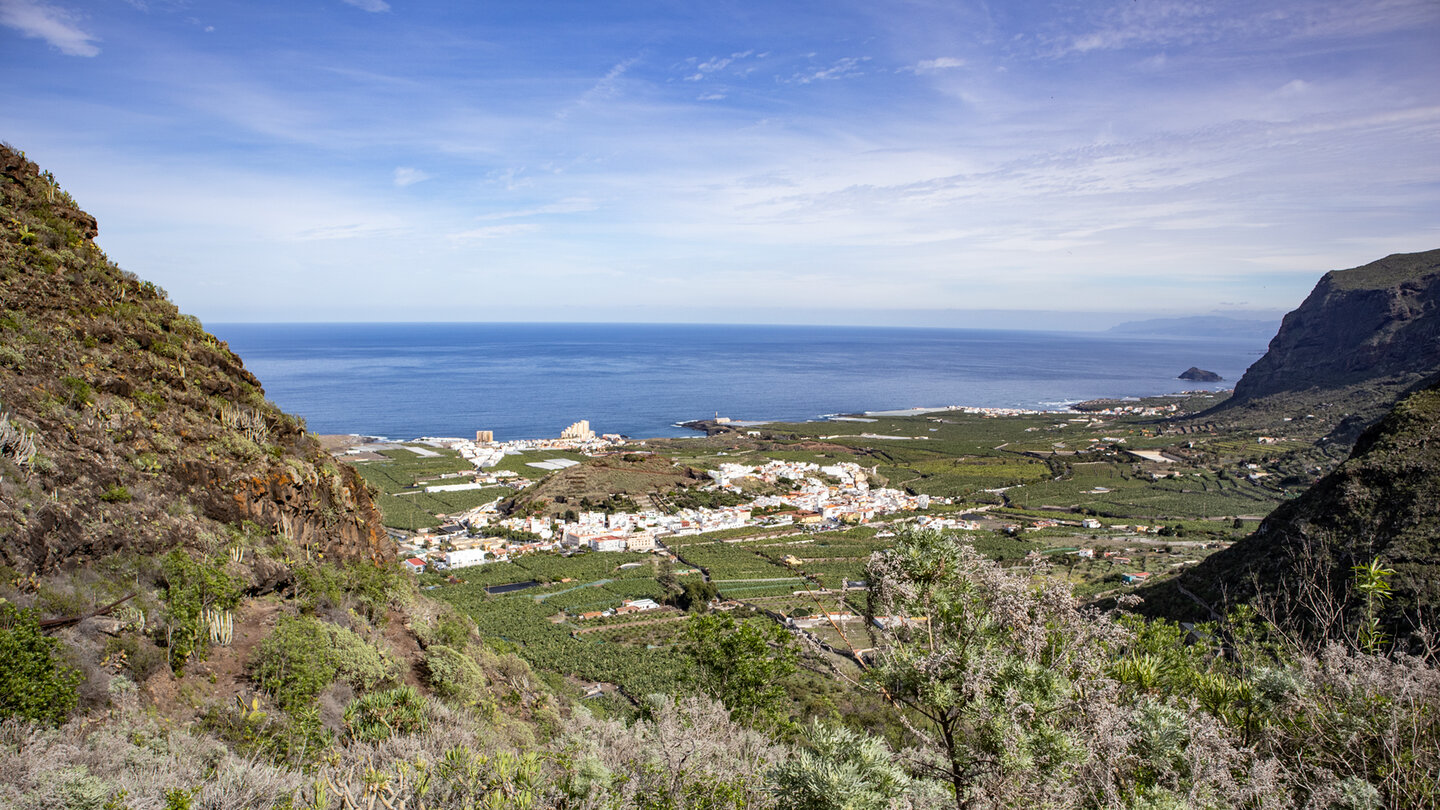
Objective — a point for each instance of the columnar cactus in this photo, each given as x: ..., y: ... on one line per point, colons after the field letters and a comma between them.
x: 221, y: 624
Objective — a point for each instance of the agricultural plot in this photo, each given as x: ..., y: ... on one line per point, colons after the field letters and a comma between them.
x: 636, y: 588
x: 746, y: 590
x: 682, y: 541
x: 1186, y: 498
x: 585, y: 567
x: 944, y: 469
x: 580, y: 599
x: 400, y: 513
x: 448, y: 503
x: 519, y: 462
x: 636, y: 669
x: 833, y: 574
x: 553, y: 568
x: 1112, y: 489
x: 404, y: 469
x: 808, y: 603
x: 667, y: 629
x: 728, y: 561
x: 849, y: 636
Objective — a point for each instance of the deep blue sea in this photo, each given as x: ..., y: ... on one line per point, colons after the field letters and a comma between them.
x: 531, y: 380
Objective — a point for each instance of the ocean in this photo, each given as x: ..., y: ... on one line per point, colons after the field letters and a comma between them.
x: 531, y: 380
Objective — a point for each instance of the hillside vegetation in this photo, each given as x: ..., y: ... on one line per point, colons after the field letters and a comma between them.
x: 1383, y: 503
x: 129, y: 427
x: 199, y: 609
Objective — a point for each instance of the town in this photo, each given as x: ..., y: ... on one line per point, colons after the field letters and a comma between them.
x: 812, y: 497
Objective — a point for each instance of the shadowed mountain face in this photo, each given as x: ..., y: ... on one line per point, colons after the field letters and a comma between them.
x: 1357, y: 343
x: 1383, y: 501
x: 1377, y: 324
x: 128, y: 427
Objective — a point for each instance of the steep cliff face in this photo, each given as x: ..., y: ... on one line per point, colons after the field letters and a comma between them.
x: 127, y: 426
x: 1376, y: 325
x: 1383, y: 501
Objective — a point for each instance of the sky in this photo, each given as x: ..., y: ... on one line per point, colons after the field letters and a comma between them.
x: 956, y: 163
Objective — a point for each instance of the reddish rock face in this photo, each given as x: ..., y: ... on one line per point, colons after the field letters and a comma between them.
x: 332, y: 515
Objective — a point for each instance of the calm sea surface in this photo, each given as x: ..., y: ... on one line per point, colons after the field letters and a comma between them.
x: 531, y: 380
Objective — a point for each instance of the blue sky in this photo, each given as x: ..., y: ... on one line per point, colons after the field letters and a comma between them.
x: 935, y: 163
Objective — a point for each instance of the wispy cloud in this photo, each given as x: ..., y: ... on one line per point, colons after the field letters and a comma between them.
x: 56, y: 26
x: 573, y: 205
x: 939, y: 63
x: 368, y: 5
x: 409, y: 176
x: 605, y: 88
x: 1164, y: 23
x: 714, y: 64
x: 841, y: 69
x: 608, y: 86
x: 348, y: 231
x: 494, y: 232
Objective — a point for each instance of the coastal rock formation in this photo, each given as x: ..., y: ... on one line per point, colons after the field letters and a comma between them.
x: 1378, y: 325
x: 1194, y: 374
x: 129, y: 427
x: 1383, y: 501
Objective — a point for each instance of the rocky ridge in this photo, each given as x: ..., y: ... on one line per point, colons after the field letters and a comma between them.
x: 130, y: 428
x: 1359, y: 340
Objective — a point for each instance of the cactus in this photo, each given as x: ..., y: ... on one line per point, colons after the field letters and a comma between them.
x: 15, y: 443
x: 133, y: 618
x: 221, y: 624
x: 245, y: 420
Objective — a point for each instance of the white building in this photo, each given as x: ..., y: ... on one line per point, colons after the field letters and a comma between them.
x: 607, y: 542
x: 464, y: 558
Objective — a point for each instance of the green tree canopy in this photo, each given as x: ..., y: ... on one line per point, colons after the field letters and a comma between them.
x: 742, y: 664
x: 33, y: 684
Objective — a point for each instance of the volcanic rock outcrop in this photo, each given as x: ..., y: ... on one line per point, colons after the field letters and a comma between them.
x: 1361, y: 339
x: 127, y: 427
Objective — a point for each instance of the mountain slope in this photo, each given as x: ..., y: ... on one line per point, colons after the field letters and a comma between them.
x: 1361, y: 338
x: 130, y: 427
x: 1384, y: 501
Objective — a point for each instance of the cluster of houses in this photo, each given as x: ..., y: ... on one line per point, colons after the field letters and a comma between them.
x: 843, y: 496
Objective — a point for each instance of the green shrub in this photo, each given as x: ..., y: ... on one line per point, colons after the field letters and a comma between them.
x: 841, y: 769
x: 379, y: 716
x: 117, y: 493
x: 281, y: 739
x: 191, y: 588
x: 137, y: 654
x: 34, y: 685
x: 448, y: 629
x: 453, y: 674
x: 78, y: 392
x: 370, y: 589
x: 304, y: 655
x: 12, y: 357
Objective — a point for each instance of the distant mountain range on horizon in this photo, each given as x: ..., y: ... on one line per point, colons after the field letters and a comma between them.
x: 1218, y: 326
